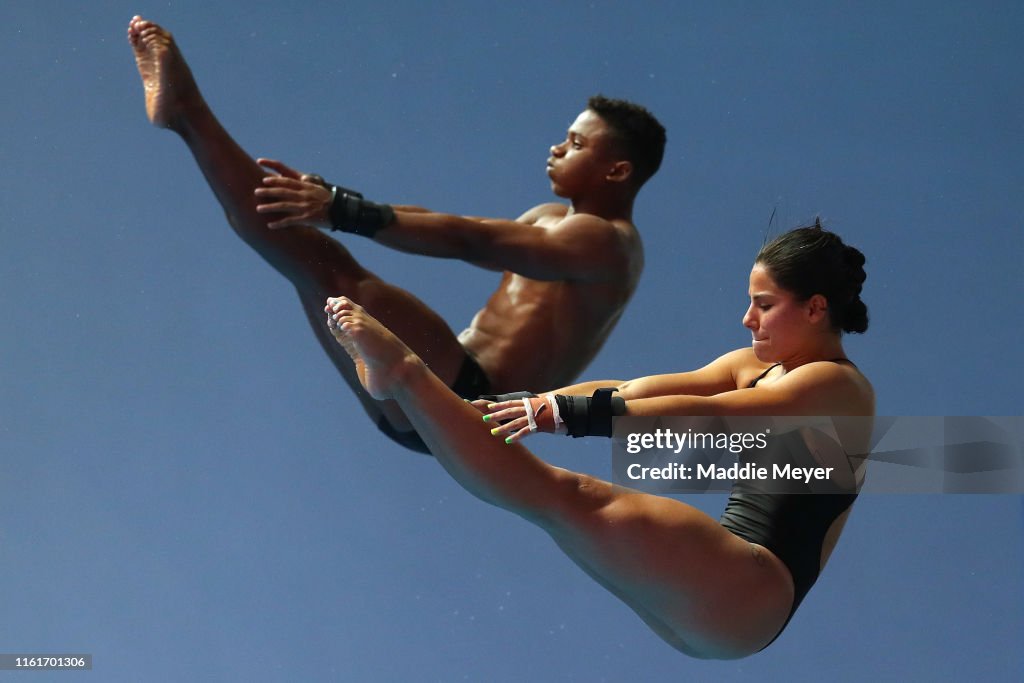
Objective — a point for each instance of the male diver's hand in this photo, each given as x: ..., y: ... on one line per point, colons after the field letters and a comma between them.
x: 512, y: 419
x: 301, y: 198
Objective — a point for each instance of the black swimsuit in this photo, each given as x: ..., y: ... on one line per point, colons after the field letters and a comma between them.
x: 471, y: 383
x: 791, y: 525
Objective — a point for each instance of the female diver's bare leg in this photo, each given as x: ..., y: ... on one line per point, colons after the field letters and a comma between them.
x: 699, y: 587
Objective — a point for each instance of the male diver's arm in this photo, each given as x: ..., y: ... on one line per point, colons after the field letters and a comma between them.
x: 579, y: 247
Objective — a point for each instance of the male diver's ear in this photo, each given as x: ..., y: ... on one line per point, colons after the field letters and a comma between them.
x: 621, y: 171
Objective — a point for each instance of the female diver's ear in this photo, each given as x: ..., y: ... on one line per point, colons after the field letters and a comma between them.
x: 817, y: 309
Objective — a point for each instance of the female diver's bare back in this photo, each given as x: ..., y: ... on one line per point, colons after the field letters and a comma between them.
x: 703, y: 590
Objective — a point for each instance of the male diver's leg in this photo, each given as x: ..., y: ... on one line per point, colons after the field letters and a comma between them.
x: 317, y: 265
x: 424, y: 327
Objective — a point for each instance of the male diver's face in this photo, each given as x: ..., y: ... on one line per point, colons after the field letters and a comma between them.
x: 776, y: 320
x: 579, y: 164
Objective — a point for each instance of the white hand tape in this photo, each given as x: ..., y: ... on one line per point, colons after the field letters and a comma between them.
x: 530, y: 417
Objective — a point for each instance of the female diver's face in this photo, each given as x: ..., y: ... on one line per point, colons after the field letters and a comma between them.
x: 777, y: 322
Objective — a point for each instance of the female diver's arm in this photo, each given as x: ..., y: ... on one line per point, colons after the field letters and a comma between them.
x: 714, y: 378
x: 820, y: 388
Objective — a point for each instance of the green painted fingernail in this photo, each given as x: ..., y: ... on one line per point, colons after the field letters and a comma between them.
x: 508, y: 441
x: 487, y: 418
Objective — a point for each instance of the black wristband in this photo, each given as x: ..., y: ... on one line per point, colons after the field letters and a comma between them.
x: 499, y: 398
x: 590, y: 415
x: 349, y: 212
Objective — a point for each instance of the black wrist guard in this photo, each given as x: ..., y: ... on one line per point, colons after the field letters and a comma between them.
x: 498, y: 398
x: 349, y: 212
x: 590, y: 415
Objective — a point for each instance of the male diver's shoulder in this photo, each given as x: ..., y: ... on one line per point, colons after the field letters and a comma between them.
x: 549, y: 210
x: 597, y: 226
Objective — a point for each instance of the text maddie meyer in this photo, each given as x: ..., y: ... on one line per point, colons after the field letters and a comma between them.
x: 736, y: 472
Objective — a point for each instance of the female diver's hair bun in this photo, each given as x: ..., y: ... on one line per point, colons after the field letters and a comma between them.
x: 811, y: 260
x: 855, y: 315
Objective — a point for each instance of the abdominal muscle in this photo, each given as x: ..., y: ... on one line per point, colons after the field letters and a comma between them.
x: 540, y: 335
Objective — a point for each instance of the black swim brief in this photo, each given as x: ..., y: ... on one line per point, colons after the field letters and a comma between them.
x: 470, y: 383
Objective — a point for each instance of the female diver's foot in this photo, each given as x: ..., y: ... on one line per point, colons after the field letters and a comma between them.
x: 383, y: 362
x: 170, y: 89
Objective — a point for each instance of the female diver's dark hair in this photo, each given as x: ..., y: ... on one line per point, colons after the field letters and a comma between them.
x: 811, y: 260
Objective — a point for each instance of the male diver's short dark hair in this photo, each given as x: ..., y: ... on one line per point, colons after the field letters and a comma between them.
x: 811, y: 260
x: 640, y: 135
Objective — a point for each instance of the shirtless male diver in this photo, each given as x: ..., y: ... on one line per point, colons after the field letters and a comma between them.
x: 568, y: 271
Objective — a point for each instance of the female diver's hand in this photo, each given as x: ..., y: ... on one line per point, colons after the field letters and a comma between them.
x: 514, y: 419
x: 302, y: 198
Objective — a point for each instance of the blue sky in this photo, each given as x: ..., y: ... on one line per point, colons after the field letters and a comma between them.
x: 188, y: 490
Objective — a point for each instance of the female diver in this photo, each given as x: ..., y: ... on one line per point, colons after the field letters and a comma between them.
x: 710, y: 588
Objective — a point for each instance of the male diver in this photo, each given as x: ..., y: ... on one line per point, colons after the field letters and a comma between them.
x: 568, y: 270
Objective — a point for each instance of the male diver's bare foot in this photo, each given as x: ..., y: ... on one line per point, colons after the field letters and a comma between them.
x: 166, y: 78
x: 382, y: 361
